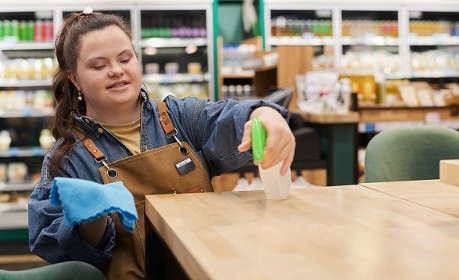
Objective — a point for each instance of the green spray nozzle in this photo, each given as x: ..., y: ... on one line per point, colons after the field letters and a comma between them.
x: 258, y: 139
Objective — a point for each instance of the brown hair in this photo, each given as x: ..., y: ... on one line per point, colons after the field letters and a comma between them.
x: 67, y: 50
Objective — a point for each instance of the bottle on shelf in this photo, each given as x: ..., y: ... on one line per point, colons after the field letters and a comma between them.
x: 5, y: 140
x: 46, y: 139
x: 343, y: 95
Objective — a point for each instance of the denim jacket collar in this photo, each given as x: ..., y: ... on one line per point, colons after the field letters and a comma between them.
x: 91, y: 127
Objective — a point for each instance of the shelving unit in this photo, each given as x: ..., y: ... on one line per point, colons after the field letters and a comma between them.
x: 232, y: 74
x: 433, y: 41
x: 167, y: 32
x: 26, y: 66
x: 377, y: 27
x: 176, y: 47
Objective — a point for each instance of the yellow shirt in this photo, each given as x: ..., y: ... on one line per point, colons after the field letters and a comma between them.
x: 129, y: 134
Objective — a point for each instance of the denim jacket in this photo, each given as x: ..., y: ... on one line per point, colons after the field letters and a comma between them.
x: 213, y: 130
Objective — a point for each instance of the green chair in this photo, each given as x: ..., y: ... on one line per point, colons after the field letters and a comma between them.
x: 409, y: 153
x: 71, y: 270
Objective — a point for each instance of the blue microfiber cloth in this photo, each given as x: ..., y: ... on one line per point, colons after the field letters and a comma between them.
x: 85, y: 201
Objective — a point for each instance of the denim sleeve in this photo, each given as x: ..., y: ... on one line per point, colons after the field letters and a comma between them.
x: 216, y: 128
x: 53, y: 240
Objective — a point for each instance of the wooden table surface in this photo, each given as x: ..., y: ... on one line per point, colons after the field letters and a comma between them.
x: 429, y: 193
x: 402, y: 230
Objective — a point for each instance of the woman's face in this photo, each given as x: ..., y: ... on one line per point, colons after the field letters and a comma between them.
x: 109, y: 76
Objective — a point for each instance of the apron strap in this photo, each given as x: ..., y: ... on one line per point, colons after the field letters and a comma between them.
x: 164, y: 118
x: 89, y: 144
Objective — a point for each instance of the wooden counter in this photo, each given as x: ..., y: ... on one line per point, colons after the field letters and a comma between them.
x: 370, y: 231
x: 328, y: 118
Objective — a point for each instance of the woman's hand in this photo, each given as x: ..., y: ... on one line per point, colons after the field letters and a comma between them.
x: 280, y: 142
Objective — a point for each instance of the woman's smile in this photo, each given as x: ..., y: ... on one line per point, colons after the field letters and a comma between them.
x: 119, y: 85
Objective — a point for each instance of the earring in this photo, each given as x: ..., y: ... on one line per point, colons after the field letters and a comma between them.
x: 80, y: 97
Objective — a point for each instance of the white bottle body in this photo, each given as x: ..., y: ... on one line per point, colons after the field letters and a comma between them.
x: 276, y: 186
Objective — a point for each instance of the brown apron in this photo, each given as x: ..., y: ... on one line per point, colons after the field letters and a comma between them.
x: 156, y: 171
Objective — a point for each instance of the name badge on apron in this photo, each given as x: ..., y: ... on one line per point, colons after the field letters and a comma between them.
x: 185, y: 165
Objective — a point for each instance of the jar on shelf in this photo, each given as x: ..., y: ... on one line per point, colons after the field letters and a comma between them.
x: 46, y: 138
x: 5, y: 140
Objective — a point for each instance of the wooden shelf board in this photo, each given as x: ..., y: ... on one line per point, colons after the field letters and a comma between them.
x: 351, y: 117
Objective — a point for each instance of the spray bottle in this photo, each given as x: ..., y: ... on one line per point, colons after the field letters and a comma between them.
x: 276, y: 186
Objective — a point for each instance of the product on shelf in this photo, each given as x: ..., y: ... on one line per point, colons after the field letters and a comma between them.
x: 2, y: 173
x: 5, y: 140
x: 17, y: 172
x: 434, y: 63
x: 284, y: 26
x: 323, y: 92
x: 160, y: 91
x: 365, y: 28
x: 27, y: 69
x: 238, y: 92
x: 371, y: 60
x: 173, y: 26
x: 151, y: 68
x: 46, y: 139
x: 364, y: 84
x: 25, y: 101
x: 27, y: 30
x: 430, y: 28
x: 233, y: 57
x: 171, y: 68
x: 194, y: 68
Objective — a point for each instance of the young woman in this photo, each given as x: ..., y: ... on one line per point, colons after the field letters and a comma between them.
x: 100, y: 101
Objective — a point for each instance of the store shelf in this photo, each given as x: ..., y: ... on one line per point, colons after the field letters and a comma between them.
x: 435, y: 40
x: 176, y: 78
x: 376, y: 127
x: 296, y: 40
x: 243, y: 74
x: 369, y: 35
x: 180, y: 35
x: 25, y: 83
x: 23, y: 152
x: 11, y: 187
x: 13, y: 216
x: 172, y: 42
x: 370, y: 40
x: 26, y: 112
x: 14, y: 45
x: 26, y: 69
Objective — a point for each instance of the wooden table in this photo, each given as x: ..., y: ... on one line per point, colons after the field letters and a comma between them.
x: 428, y: 193
x: 401, y: 230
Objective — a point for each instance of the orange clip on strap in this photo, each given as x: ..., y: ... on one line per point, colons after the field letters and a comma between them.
x: 97, y: 154
x: 164, y: 118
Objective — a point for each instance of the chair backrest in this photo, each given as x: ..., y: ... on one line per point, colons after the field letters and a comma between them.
x: 409, y: 153
x: 71, y: 270
x: 280, y: 96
